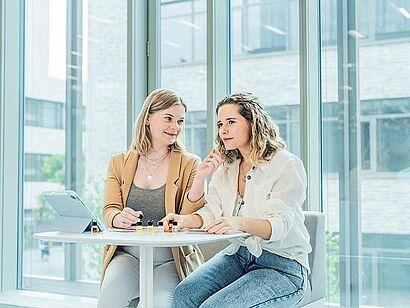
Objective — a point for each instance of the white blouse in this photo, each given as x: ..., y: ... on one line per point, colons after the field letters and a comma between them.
x: 274, y: 191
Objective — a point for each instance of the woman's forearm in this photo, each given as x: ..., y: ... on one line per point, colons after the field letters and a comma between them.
x: 195, y: 221
x: 258, y: 227
x: 197, y: 189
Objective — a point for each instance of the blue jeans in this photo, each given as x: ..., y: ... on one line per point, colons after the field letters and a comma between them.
x: 242, y: 280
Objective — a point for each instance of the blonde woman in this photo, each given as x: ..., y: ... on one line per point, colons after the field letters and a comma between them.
x: 259, y: 189
x: 154, y: 177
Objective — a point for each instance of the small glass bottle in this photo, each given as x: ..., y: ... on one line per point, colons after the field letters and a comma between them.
x: 160, y: 227
x: 139, y: 227
x: 174, y: 226
x: 150, y: 227
x: 94, y: 227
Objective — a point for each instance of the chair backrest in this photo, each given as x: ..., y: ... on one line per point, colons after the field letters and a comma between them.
x: 315, y: 224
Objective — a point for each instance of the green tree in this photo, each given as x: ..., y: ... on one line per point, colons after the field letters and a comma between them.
x: 332, y: 266
x: 53, y: 169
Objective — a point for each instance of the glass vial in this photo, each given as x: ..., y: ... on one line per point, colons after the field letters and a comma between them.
x: 150, y: 227
x: 160, y: 227
x: 94, y: 227
x: 174, y: 226
x: 139, y: 227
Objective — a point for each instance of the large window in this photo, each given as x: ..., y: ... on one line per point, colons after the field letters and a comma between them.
x: 75, y: 119
x: 366, y: 164
x: 183, y: 64
x: 265, y: 59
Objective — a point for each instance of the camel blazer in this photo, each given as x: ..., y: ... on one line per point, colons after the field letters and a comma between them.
x: 181, y: 174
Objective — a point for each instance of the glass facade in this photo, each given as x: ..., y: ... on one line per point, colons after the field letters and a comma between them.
x: 366, y: 166
x: 75, y: 119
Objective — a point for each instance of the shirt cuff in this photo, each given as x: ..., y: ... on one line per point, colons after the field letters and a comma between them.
x: 206, y: 215
x: 277, y: 228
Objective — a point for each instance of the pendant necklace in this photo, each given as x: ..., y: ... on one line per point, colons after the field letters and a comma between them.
x: 149, y: 177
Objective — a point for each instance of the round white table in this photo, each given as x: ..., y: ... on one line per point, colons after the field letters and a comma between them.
x: 146, y: 242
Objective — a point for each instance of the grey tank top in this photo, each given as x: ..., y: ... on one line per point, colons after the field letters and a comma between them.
x: 152, y: 203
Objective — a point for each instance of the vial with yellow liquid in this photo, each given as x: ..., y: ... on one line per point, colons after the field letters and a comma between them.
x: 150, y: 227
x: 139, y: 227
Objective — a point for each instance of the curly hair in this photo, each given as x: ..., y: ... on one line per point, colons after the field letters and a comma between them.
x: 265, y: 137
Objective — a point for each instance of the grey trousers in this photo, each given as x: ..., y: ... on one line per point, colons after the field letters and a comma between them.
x: 120, y: 286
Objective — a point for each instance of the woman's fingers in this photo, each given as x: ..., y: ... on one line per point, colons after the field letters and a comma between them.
x: 167, y: 219
x: 131, y: 212
x: 210, y: 166
x: 223, y: 230
x: 125, y: 225
x: 215, y: 225
x: 130, y: 216
x: 217, y: 229
x: 215, y: 222
x: 215, y: 162
x: 127, y: 220
x: 217, y: 158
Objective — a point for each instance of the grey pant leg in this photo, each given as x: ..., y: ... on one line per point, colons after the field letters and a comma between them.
x: 121, y: 282
x: 165, y: 281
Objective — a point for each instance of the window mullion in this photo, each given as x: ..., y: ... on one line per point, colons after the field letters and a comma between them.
x: 218, y: 60
x: 11, y: 142
x: 74, y: 120
x: 310, y: 100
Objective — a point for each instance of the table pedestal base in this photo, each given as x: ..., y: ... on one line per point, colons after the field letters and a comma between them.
x: 146, y: 277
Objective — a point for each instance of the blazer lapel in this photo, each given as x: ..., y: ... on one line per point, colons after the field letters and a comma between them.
x: 173, y: 175
x: 128, y: 174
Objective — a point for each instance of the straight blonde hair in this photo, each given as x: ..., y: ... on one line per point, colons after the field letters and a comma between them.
x: 264, y: 136
x: 159, y: 99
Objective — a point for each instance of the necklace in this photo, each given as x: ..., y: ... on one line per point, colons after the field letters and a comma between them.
x: 156, y: 159
x: 149, y: 177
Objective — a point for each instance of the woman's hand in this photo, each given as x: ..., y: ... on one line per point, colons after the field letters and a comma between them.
x: 209, y: 165
x: 225, y: 225
x: 184, y: 221
x: 126, y: 218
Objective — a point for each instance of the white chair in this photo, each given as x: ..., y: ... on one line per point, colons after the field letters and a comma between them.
x: 315, y: 295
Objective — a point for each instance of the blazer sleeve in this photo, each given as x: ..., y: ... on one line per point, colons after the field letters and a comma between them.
x: 285, y: 198
x: 187, y: 206
x: 213, y: 207
x: 113, y: 203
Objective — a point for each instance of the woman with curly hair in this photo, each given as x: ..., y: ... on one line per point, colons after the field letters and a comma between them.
x: 257, y: 187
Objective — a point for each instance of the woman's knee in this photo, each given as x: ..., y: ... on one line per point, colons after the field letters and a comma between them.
x: 120, y: 284
x: 113, y: 293
x: 182, y: 296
